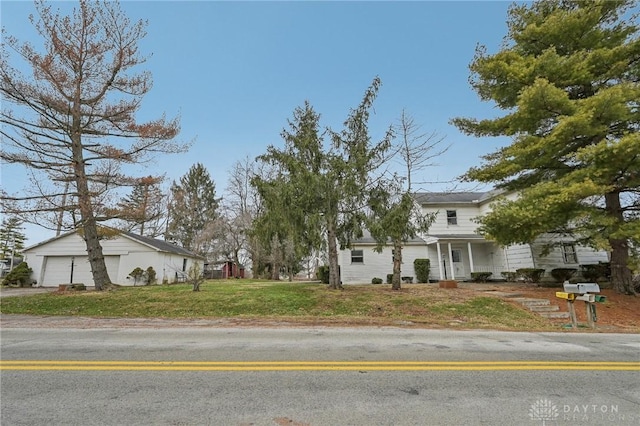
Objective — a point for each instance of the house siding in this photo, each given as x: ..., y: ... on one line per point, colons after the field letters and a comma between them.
x: 518, y: 256
x: 377, y: 265
x: 589, y: 256
x: 130, y: 254
x: 487, y: 255
x: 464, y: 214
x: 555, y: 259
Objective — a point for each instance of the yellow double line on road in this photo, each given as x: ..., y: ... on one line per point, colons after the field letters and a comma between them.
x: 67, y: 365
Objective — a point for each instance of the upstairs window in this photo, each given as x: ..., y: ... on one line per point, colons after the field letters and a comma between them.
x: 357, y: 256
x: 569, y: 253
x: 452, y: 217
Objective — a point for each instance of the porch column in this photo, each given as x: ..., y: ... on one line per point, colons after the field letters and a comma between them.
x: 470, y: 258
x: 453, y: 273
x: 440, y: 261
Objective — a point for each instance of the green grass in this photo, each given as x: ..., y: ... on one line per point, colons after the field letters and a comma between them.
x: 366, y: 304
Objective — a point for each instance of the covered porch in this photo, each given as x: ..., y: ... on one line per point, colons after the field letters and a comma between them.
x: 456, y: 257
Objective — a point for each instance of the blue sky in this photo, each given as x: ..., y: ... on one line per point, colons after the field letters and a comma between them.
x: 235, y: 71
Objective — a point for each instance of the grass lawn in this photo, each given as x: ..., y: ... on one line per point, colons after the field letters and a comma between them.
x: 307, y: 303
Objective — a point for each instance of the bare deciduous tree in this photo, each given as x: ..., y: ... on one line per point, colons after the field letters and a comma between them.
x: 395, y: 217
x: 75, y: 117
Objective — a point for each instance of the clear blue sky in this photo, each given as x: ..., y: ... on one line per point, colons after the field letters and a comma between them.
x: 235, y: 71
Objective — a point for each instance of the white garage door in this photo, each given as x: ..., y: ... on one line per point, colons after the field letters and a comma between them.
x: 58, y: 270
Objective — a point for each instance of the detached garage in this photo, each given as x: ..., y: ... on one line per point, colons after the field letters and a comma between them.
x: 63, y: 259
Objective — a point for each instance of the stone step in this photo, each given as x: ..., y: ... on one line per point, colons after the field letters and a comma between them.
x: 544, y: 308
x: 505, y: 294
x: 526, y: 301
x: 554, y: 315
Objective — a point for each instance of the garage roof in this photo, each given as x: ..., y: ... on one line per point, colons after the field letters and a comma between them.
x: 154, y: 243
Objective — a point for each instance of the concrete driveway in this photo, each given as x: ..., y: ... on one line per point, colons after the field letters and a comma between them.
x: 17, y: 291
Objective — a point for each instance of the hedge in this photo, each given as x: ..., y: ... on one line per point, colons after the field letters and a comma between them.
x: 563, y: 274
x: 530, y: 275
x: 422, y: 267
x: 480, y: 277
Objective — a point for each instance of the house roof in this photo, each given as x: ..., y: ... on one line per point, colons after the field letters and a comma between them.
x: 368, y: 239
x: 156, y: 244
x: 454, y: 197
x: 457, y: 236
x: 160, y: 245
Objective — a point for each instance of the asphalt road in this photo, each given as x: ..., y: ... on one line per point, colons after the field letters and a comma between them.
x: 316, y: 376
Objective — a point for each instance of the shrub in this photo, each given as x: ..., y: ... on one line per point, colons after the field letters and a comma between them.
x: 323, y: 274
x: 563, y: 274
x: 422, y: 267
x: 480, y: 277
x: 407, y: 280
x: 376, y: 280
x: 597, y: 270
x: 590, y: 272
x: 136, y: 274
x: 389, y: 278
x: 195, y: 277
x: 20, y: 276
x: 150, y: 276
x: 530, y: 275
x: 509, y: 276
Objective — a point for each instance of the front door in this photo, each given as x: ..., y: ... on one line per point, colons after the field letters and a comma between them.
x: 458, y: 266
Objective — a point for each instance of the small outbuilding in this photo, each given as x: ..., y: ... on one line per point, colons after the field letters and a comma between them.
x: 63, y: 259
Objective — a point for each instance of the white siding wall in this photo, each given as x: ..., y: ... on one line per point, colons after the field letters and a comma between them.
x: 131, y: 253
x: 486, y: 257
x: 518, y: 256
x: 172, y: 263
x: 498, y: 261
x: 555, y: 258
x: 551, y: 260
x: 35, y: 262
x: 377, y: 265
x: 464, y: 213
x: 69, y: 245
x: 588, y: 256
x: 165, y: 264
x: 485, y: 208
x: 432, y: 255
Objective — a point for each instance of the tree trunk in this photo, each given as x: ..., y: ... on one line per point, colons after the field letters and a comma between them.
x: 236, y: 259
x: 397, y: 265
x: 332, y: 244
x: 275, y: 271
x: 620, y: 273
x: 621, y: 277
x: 89, y: 225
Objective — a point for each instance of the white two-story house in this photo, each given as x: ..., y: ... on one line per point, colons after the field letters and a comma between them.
x: 455, y: 249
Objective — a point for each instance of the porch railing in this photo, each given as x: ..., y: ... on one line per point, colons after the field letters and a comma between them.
x: 495, y: 271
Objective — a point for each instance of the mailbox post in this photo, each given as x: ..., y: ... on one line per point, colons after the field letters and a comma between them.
x: 585, y: 292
